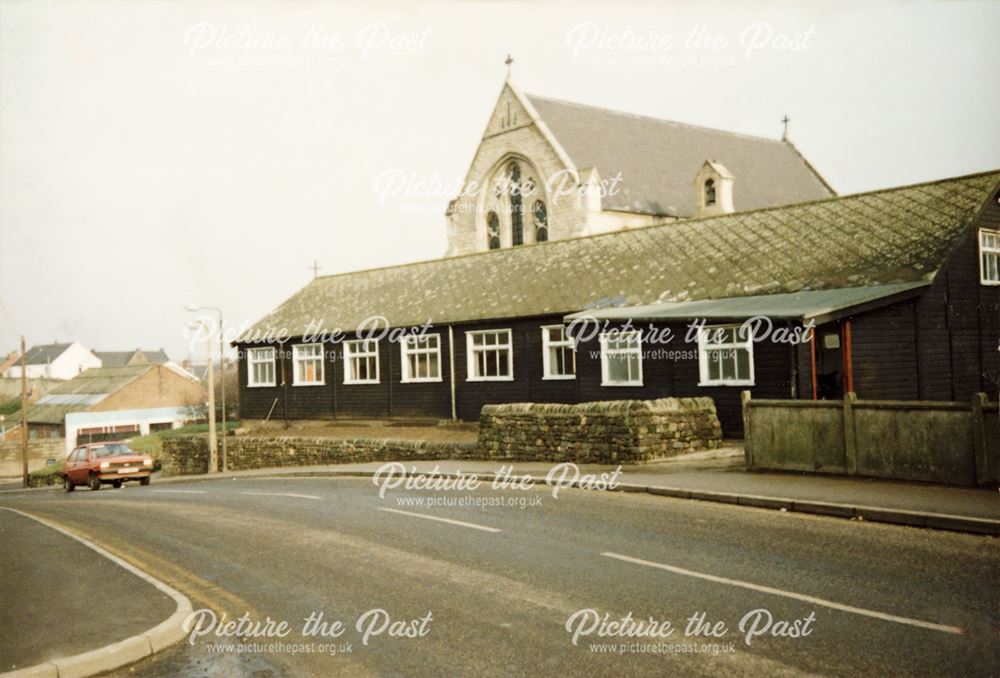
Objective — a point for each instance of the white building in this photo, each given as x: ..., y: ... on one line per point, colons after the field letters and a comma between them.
x: 55, y: 361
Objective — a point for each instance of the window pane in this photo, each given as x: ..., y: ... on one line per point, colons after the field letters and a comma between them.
x: 633, y: 367
x: 617, y: 368
x: 714, y: 366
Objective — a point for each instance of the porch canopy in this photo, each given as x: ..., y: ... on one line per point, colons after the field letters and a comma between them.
x: 820, y: 306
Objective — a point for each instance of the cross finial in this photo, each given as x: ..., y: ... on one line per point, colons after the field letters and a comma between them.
x: 509, y: 60
x: 315, y: 269
x: 785, y: 121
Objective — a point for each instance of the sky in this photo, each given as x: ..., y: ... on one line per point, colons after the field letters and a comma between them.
x: 158, y: 154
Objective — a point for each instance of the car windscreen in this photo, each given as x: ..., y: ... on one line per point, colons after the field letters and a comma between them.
x: 111, y: 450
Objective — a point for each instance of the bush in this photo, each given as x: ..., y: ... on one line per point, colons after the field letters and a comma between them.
x: 47, y: 475
x: 9, y: 407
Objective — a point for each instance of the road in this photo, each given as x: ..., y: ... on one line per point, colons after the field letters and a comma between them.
x: 500, y: 582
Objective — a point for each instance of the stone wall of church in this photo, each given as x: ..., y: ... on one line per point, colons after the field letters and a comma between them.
x: 521, y: 138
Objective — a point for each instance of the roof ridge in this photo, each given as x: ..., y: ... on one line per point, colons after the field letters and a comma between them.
x: 641, y: 116
x: 668, y: 224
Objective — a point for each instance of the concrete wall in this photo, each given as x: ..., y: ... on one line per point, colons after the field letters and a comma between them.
x: 38, y: 452
x: 621, y: 431
x: 10, y: 388
x: 942, y: 442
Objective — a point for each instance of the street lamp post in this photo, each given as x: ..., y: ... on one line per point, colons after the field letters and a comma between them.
x: 222, y: 379
x: 212, y: 463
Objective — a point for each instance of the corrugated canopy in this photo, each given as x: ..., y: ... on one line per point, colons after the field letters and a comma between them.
x: 819, y: 305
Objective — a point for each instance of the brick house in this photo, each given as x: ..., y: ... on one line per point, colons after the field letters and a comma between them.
x: 115, y: 402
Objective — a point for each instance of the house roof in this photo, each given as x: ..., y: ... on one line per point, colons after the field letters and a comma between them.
x: 123, y: 358
x: 45, y: 353
x: 658, y: 160
x: 114, y: 358
x: 157, y: 357
x: 899, y: 235
x: 83, y: 391
x: 817, y: 305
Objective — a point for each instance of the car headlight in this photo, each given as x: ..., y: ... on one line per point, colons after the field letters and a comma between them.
x: 147, y: 462
x: 105, y: 464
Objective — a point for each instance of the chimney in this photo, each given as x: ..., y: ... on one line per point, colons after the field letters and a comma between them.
x: 713, y: 187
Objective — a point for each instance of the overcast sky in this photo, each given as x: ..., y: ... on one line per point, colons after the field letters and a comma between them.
x: 156, y: 154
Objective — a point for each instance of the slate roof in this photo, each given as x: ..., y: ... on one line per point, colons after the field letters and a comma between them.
x: 114, y: 358
x: 45, y: 353
x: 899, y: 235
x: 658, y: 159
x: 157, y: 357
x: 81, y: 392
x: 122, y: 358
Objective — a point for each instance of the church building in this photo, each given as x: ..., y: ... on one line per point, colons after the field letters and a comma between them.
x: 550, y: 170
x: 640, y: 292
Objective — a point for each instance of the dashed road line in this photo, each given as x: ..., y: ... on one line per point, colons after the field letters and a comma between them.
x: 943, y: 628
x: 460, y: 523
x: 283, y: 494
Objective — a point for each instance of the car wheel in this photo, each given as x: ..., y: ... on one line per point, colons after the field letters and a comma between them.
x: 144, y: 481
x: 93, y: 482
x: 67, y: 485
x: 116, y: 484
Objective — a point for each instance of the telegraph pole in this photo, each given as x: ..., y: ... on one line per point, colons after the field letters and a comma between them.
x: 24, y: 416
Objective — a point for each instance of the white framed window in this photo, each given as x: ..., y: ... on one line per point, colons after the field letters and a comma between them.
x: 989, y: 257
x: 260, y: 367
x: 558, y: 353
x: 490, y: 355
x: 421, y: 358
x: 725, y: 356
x: 361, y: 361
x: 621, y: 358
x: 307, y: 365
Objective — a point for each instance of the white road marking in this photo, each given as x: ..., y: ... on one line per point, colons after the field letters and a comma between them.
x: 282, y: 494
x: 790, y: 594
x: 181, y: 491
x: 443, y: 520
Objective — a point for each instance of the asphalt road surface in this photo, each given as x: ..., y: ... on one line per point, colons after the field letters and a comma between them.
x: 501, y: 583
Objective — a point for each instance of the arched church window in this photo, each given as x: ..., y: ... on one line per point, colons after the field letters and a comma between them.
x: 516, y: 205
x: 710, y: 192
x: 541, y: 222
x: 493, y: 230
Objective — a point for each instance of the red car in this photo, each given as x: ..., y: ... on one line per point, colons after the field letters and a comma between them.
x: 110, y: 462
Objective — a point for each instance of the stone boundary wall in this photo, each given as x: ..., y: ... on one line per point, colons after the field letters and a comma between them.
x: 184, y: 455
x: 621, y: 431
x: 612, y: 432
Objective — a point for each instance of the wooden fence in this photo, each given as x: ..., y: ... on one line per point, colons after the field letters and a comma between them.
x: 944, y: 442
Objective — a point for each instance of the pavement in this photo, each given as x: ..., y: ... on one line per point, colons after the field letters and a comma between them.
x: 118, y: 615
x: 511, y: 577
